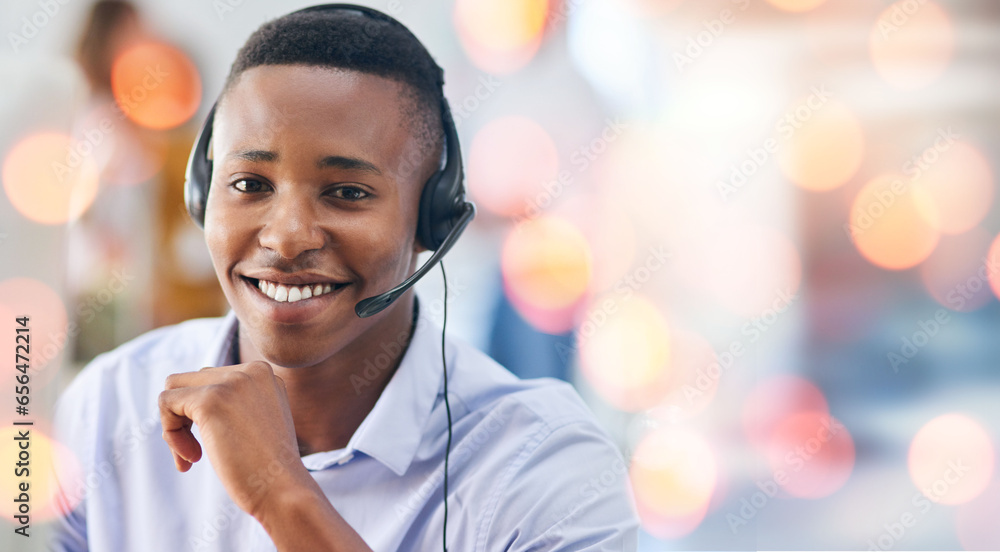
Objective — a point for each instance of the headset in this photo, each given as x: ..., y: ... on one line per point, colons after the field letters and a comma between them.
x: 444, y: 211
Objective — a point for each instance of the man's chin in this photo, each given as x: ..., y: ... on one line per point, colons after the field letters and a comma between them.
x: 291, y: 355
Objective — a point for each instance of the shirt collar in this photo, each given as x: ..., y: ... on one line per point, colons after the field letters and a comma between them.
x: 392, y: 432
x: 219, y: 352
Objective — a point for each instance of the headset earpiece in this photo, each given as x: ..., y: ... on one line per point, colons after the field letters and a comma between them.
x: 198, y: 176
x: 443, y: 194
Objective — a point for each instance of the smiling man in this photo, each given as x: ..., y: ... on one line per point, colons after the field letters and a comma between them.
x: 324, y: 430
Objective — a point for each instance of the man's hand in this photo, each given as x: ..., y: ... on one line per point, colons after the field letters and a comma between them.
x: 246, y: 429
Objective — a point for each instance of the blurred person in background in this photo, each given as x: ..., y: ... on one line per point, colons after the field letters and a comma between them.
x: 140, y: 165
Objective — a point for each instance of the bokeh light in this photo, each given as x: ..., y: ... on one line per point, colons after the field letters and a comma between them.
x: 956, y: 274
x: 49, y: 178
x: 887, y: 226
x: 951, y: 459
x: 954, y: 189
x: 796, y: 5
x: 674, y: 474
x: 126, y: 155
x: 546, y: 263
x: 751, y: 269
x: 811, y: 454
x: 48, y: 458
x: 625, y: 351
x: 610, y: 233
x: 775, y: 400
x: 694, y: 372
x: 826, y: 146
x: 501, y: 36
x: 156, y: 85
x: 976, y: 520
x: 47, y: 322
x: 993, y: 266
x: 655, y: 8
x: 511, y: 160
x: 911, y: 43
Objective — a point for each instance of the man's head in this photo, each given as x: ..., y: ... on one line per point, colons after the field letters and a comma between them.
x: 327, y: 129
x: 352, y: 40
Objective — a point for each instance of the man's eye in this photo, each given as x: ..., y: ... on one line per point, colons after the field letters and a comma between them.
x: 349, y: 193
x: 249, y: 186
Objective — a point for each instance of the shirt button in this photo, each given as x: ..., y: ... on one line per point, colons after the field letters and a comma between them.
x: 345, y: 459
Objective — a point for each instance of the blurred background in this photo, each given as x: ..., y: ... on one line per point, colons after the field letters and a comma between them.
x: 759, y: 236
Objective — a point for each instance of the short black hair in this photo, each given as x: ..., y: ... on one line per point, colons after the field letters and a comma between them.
x: 349, y: 39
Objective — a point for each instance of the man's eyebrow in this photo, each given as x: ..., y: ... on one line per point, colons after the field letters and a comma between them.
x: 328, y: 162
x: 348, y: 163
x: 257, y: 156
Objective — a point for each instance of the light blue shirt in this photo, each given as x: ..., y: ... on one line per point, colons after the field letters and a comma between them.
x: 529, y: 467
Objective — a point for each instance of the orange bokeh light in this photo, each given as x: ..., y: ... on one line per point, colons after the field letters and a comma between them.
x: 796, y: 5
x: 625, y: 349
x: 827, y: 150
x: 956, y: 275
x: 954, y: 191
x: 546, y: 263
x: 951, y: 459
x: 500, y: 36
x: 49, y: 178
x: 674, y: 475
x: 775, y: 400
x: 694, y: 374
x: 47, y: 323
x: 510, y: 161
x: 155, y: 85
x: 811, y: 454
x: 126, y: 155
x: 47, y: 459
x: 911, y: 43
x: 887, y: 227
x: 611, y: 233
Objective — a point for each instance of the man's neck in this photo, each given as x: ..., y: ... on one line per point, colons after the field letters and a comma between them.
x: 327, y: 401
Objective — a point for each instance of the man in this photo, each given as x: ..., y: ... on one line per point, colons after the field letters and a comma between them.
x: 323, y: 430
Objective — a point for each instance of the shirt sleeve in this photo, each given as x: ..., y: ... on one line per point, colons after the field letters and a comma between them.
x: 74, y: 419
x: 570, y: 493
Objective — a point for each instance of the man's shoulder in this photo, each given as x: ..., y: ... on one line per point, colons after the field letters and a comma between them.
x: 555, y: 479
x: 176, y: 348
x: 541, y: 406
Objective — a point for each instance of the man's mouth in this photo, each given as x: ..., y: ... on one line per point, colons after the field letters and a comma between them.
x: 283, y: 293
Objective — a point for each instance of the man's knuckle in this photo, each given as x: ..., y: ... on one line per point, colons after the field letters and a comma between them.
x: 258, y: 367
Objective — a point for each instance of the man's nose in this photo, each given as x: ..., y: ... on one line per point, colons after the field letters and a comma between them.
x: 292, y: 224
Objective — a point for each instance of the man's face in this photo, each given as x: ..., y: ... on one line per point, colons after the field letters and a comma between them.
x: 312, y: 194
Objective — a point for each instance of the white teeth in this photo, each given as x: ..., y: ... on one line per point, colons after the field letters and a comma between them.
x: 282, y: 294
